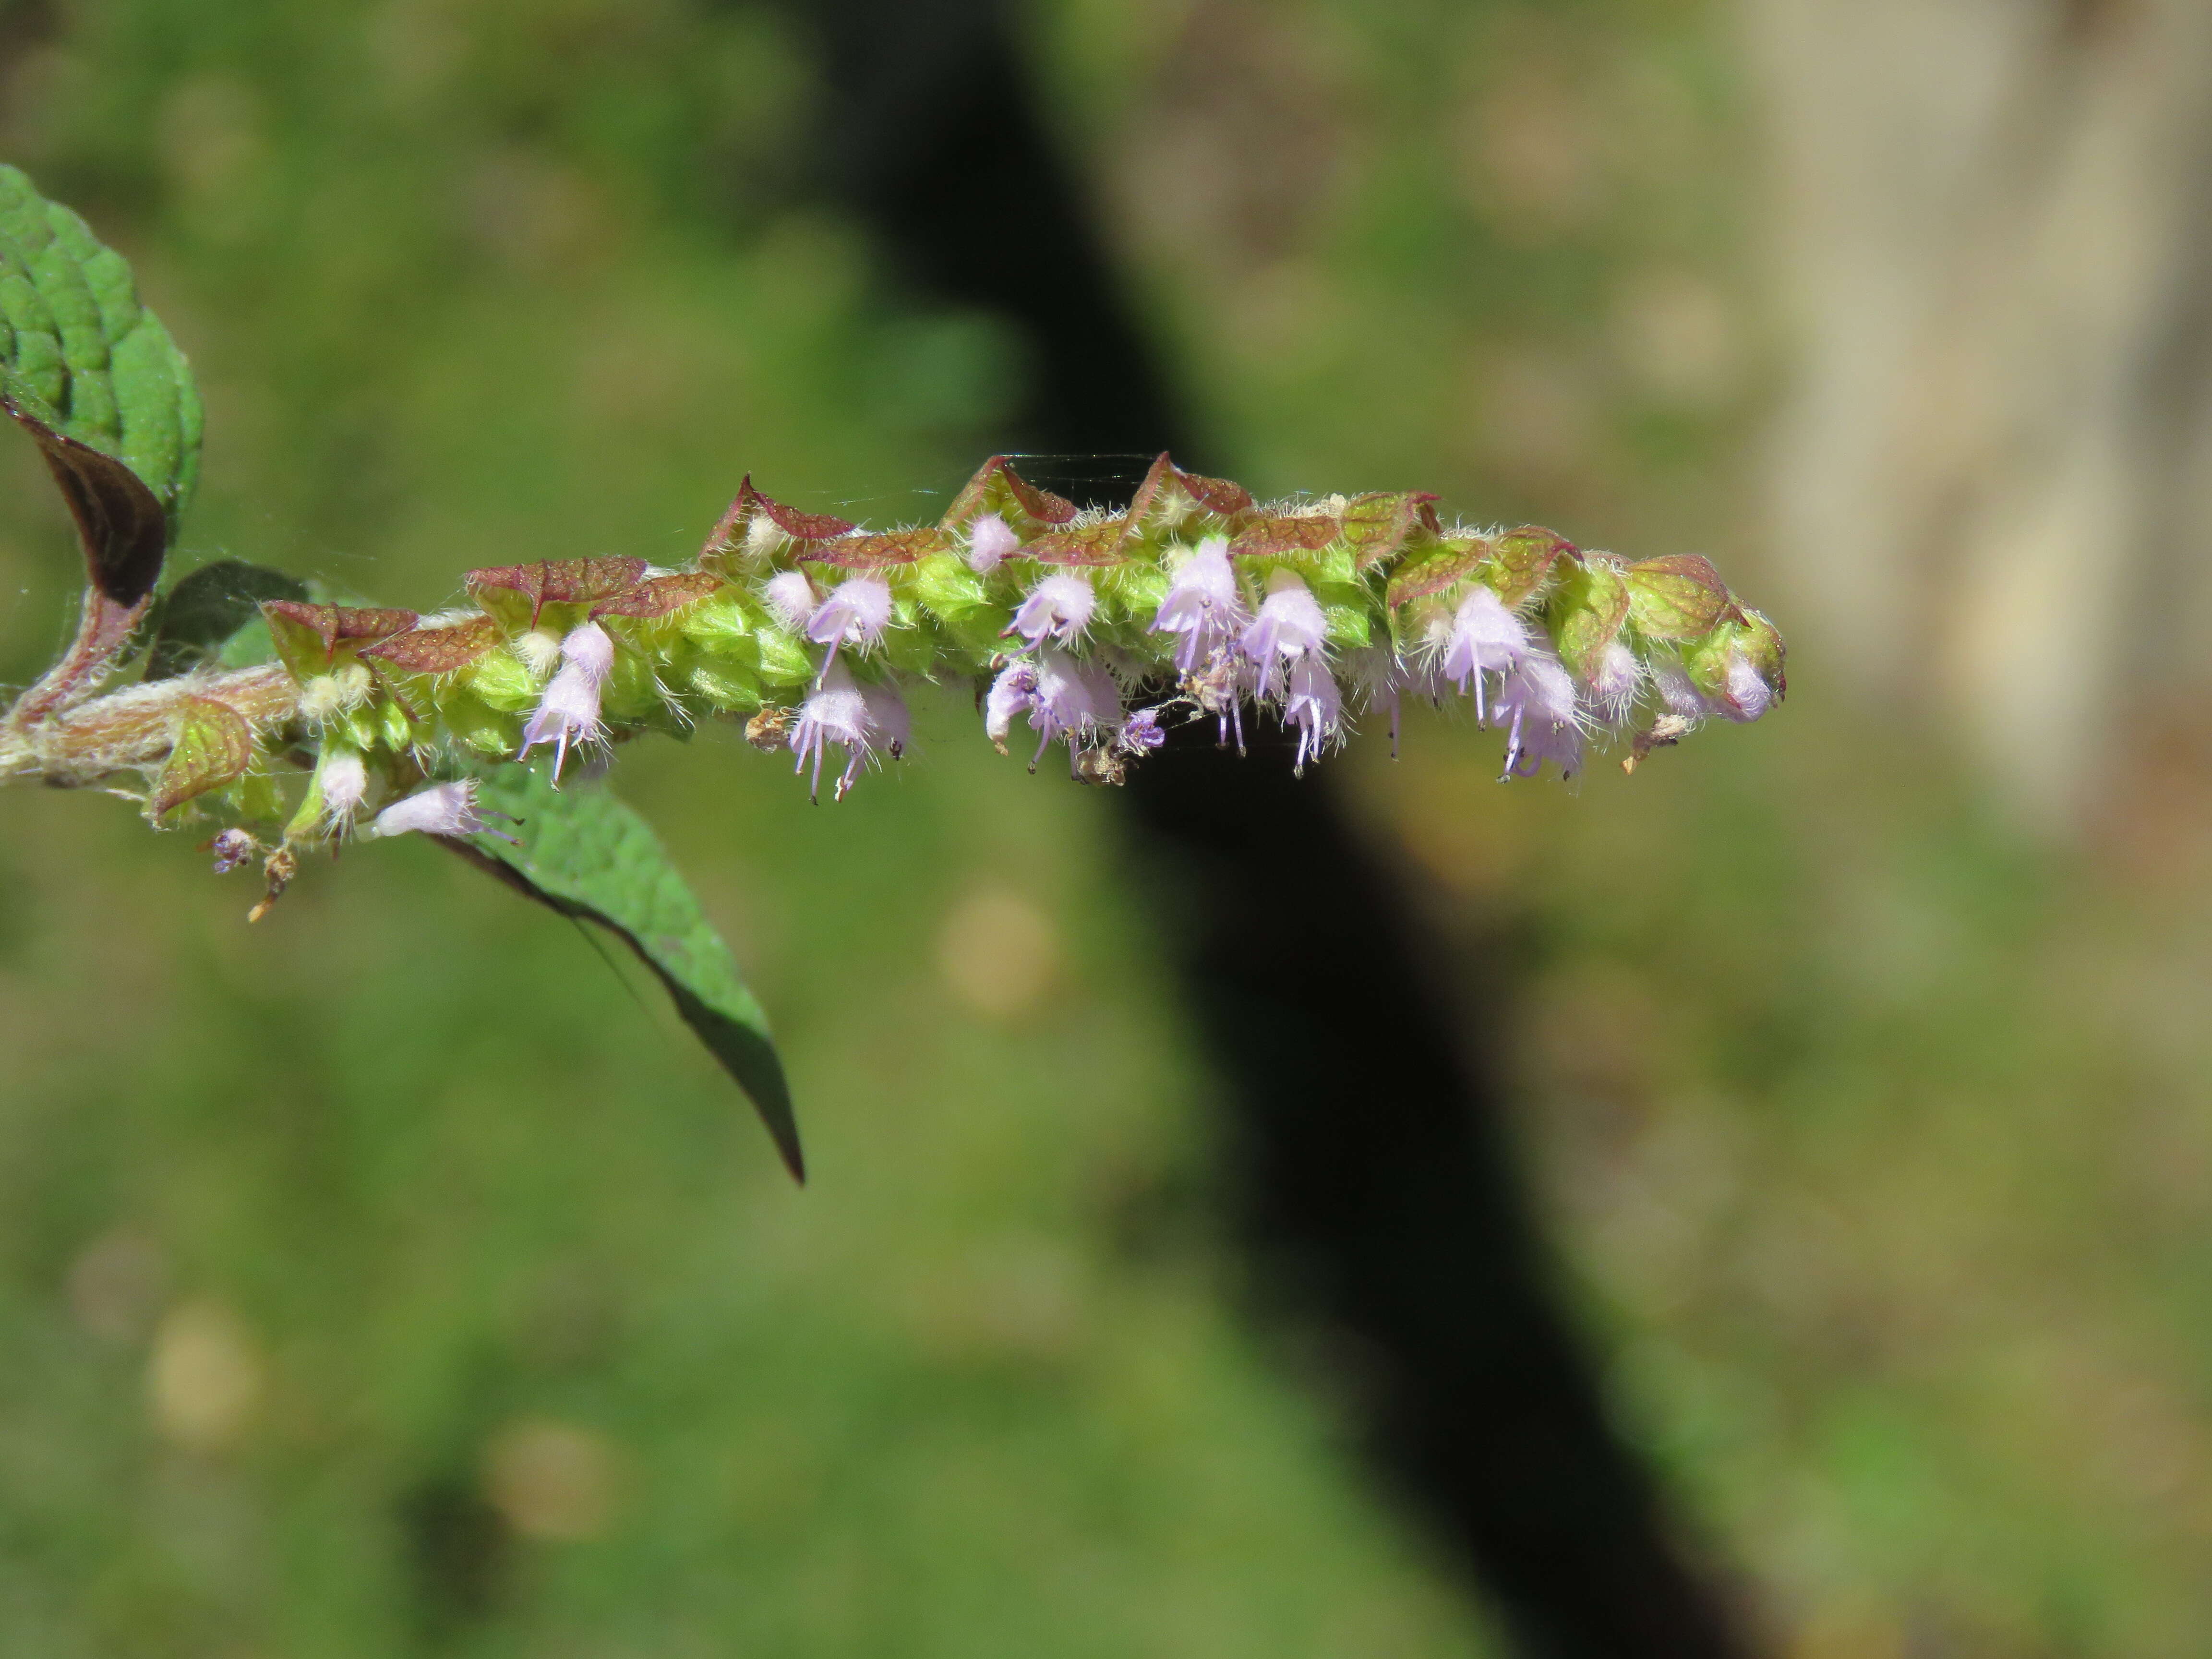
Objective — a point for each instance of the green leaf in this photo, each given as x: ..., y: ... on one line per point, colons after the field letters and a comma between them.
x: 584, y: 854
x: 93, y: 376
x: 193, y: 621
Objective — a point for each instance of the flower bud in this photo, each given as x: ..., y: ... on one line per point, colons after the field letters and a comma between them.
x: 991, y: 539
x: 443, y: 809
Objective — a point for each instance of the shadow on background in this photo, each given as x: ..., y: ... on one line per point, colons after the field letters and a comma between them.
x: 1372, y: 1172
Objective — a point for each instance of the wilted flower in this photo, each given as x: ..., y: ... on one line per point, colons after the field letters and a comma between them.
x: 990, y: 540
x: 1059, y: 607
x: 1289, y: 628
x: 232, y: 848
x: 1202, y: 605
x: 1141, y: 732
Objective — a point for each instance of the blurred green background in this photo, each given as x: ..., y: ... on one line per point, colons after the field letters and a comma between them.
x: 396, y: 1276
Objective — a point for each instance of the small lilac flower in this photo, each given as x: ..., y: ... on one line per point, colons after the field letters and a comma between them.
x: 1537, y: 704
x: 232, y: 848
x: 791, y: 599
x: 1484, y: 637
x: 1290, y: 626
x: 1141, y: 732
x: 990, y: 540
x: 443, y: 809
x: 856, y: 613
x: 568, y: 710
x: 1060, y: 607
x: 1012, y: 693
x: 1202, y: 605
x: 863, y: 718
x: 1312, y: 706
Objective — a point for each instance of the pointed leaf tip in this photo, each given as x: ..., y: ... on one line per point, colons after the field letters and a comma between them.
x: 581, y: 853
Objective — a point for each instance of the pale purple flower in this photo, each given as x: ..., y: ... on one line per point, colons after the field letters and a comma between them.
x: 1060, y: 607
x: 1289, y: 628
x: 864, y: 719
x: 1012, y: 693
x: 1312, y: 706
x: 568, y: 711
x: 443, y: 809
x: 1537, y: 704
x: 856, y: 613
x: 1484, y: 637
x: 1202, y: 605
x: 990, y: 540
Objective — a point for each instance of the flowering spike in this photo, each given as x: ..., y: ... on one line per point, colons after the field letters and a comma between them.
x: 1196, y: 599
